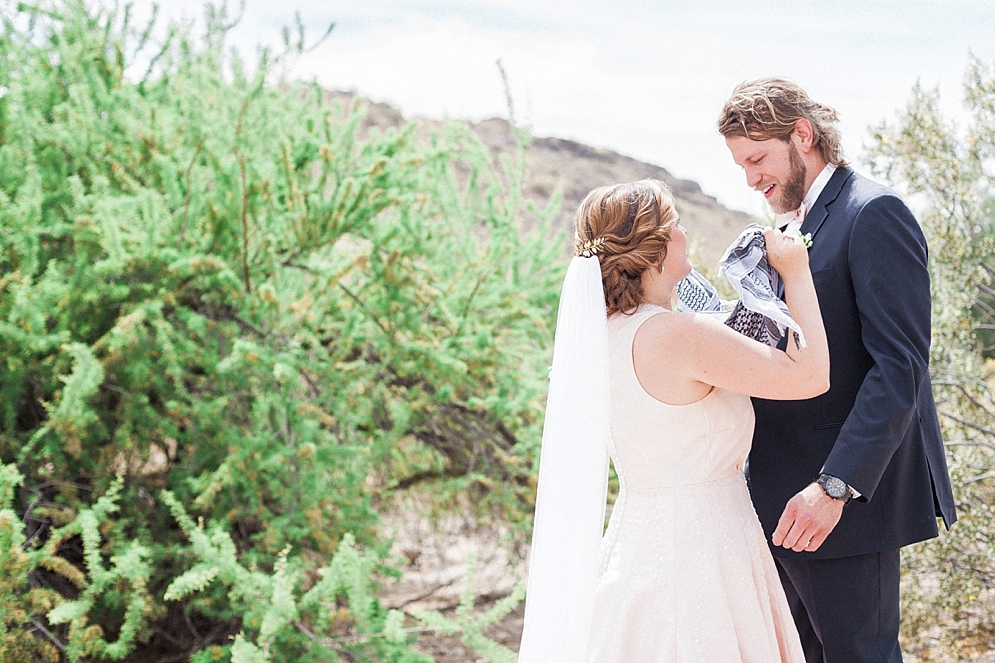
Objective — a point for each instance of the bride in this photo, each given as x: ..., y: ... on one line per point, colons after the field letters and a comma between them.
x: 683, y: 572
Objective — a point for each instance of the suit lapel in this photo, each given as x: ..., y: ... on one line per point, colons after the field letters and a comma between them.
x: 820, y: 210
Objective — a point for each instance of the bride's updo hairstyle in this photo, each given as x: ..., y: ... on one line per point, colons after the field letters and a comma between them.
x: 628, y: 227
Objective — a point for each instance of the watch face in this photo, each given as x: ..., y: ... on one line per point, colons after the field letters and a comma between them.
x: 835, y: 487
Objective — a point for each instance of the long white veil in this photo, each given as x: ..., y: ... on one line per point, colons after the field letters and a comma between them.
x: 573, y: 476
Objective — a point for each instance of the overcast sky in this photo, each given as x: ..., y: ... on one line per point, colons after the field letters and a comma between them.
x: 644, y: 78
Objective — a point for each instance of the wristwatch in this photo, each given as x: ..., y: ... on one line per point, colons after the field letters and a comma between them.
x: 835, y: 487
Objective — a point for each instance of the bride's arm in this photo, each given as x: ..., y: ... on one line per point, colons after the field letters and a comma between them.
x: 679, y: 350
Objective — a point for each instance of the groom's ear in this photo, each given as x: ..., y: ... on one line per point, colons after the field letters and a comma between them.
x: 803, y: 135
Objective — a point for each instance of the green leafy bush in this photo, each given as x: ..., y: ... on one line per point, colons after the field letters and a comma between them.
x: 223, y: 296
x: 949, y: 584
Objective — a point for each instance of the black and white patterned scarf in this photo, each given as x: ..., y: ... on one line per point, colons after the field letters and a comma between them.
x: 759, y: 313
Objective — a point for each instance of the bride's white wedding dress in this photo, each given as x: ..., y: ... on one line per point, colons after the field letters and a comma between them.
x: 685, y: 573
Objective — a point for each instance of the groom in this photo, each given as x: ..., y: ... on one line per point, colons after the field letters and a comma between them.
x: 842, y: 481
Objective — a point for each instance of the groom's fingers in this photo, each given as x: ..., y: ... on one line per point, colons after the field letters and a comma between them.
x: 783, y: 526
x: 808, y: 518
x: 789, y: 530
x: 797, y: 535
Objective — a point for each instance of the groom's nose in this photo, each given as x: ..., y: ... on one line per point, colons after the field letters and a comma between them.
x: 753, y: 177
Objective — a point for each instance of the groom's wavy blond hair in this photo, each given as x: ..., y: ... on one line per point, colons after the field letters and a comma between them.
x: 630, y: 224
x: 769, y: 107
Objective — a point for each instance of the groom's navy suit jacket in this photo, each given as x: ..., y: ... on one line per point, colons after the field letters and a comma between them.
x: 876, y: 428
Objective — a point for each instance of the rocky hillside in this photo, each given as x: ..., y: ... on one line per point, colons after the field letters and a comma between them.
x: 556, y: 164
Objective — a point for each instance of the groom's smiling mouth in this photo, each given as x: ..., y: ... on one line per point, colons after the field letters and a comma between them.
x: 766, y: 190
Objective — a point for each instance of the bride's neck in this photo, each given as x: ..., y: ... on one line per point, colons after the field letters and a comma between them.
x: 658, y: 289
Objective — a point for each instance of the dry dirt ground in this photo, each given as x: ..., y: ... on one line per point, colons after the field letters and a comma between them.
x: 437, y: 559
x: 449, y: 649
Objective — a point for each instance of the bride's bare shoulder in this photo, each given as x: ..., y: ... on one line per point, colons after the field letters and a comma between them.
x: 671, y: 330
x: 666, y: 326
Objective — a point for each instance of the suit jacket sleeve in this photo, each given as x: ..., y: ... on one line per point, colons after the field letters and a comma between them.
x: 888, y: 267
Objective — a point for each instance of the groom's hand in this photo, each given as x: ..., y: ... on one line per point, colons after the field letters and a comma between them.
x: 807, y: 520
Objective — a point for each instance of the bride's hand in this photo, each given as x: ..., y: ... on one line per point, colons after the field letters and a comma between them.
x: 786, y: 253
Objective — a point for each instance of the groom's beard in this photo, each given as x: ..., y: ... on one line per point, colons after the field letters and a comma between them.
x: 793, y: 189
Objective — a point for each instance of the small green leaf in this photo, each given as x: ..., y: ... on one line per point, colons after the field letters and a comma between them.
x: 69, y: 611
x: 192, y: 581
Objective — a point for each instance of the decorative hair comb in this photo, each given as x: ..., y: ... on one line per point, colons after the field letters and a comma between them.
x: 590, y: 248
